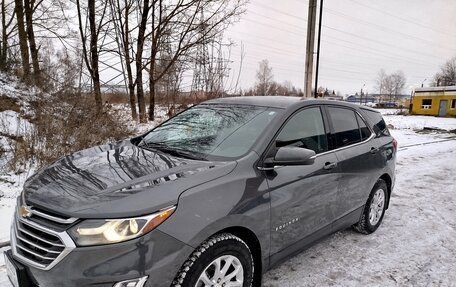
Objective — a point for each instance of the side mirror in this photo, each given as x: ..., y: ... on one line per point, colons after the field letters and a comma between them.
x: 288, y: 156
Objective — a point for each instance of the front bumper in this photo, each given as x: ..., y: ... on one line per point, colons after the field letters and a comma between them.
x: 156, y: 255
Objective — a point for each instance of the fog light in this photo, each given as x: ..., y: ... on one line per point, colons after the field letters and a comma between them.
x: 139, y: 282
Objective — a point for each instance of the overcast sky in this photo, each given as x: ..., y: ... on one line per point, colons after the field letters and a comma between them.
x: 359, y: 37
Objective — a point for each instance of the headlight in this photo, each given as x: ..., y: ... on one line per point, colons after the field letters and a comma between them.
x: 108, y: 231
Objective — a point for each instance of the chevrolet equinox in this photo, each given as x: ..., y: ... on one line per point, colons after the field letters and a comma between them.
x: 214, y: 196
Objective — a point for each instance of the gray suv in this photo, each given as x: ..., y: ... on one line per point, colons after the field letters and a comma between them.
x: 214, y: 196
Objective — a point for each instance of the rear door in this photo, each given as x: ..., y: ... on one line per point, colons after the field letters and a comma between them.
x: 303, y: 198
x: 357, y: 154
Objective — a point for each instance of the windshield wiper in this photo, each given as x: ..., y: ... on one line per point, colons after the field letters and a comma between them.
x: 173, y: 151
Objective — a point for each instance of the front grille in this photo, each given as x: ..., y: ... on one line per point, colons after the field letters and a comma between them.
x: 38, y: 245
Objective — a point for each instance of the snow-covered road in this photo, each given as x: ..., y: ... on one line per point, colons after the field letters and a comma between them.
x: 415, y: 246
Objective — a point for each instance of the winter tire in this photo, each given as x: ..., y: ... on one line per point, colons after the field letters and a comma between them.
x: 374, y: 210
x: 221, y: 261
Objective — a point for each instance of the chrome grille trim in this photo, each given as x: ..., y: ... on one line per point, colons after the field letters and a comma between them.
x: 34, y: 253
x: 33, y: 235
x: 36, y: 245
x: 53, y: 218
x: 20, y: 248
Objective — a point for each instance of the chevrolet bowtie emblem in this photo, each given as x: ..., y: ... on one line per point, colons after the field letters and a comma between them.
x: 25, y: 211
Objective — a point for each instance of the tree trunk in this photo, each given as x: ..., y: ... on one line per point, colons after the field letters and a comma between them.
x: 131, y: 92
x: 139, y: 63
x: 153, y: 55
x: 4, y: 44
x: 29, y: 6
x: 152, y: 98
x: 140, y: 88
x: 94, y: 56
x: 126, y: 45
x: 19, y: 10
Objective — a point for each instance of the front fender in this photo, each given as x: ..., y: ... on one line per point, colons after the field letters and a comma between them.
x: 236, y: 200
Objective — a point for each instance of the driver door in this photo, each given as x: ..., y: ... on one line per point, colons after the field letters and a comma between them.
x: 303, y: 198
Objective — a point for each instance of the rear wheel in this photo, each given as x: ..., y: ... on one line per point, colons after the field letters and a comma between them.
x: 374, y: 210
x: 221, y: 261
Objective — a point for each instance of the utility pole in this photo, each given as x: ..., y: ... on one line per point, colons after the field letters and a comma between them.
x: 311, y: 19
x: 317, y: 66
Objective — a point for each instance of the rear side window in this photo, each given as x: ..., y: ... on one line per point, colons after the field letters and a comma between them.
x: 305, y: 129
x: 345, y: 124
x: 365, y: 131
x: 380, y: 127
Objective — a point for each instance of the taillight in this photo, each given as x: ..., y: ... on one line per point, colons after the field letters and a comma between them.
x: 395, y: 144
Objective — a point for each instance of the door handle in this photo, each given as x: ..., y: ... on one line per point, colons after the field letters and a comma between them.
x: 330, y: 165
x: 374, y: 150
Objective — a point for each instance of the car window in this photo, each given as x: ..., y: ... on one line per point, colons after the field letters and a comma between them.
x: 380, y: 127
x: 306, y: 130
x: 345, y: 126
x: 365, y: 131
x: 214, y: 132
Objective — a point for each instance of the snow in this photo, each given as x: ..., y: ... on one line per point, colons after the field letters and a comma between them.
x: 415, y: 245
x: 12, y: 87
x: 389, y: 111
x: 12, y: 123
x: 420, y: 122
x: 4, y: 282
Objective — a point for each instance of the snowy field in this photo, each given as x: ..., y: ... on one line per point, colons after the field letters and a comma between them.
x: 416, y: 244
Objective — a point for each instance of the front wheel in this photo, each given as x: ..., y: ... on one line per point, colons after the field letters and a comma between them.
x: 374, y: 210
x: 223, y: 260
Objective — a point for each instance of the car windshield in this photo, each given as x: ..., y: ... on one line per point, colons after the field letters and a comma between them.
x: 215, y: 132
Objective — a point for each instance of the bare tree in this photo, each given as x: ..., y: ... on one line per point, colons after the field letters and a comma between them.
x: 29, y: 8
x: 274, y: 88
x: 192, y: 23
x: 91, y: 56
x: 6, y: 31
x: 37, y: 21
x: 380, y: 81
x: 394, y: 84
x: 23, y: 45
x: 265, y: 78
x: 390, y: 85
x: 139, y: 59
x: 122, y: 12
x: 241, y: 63
x: 447, y: 74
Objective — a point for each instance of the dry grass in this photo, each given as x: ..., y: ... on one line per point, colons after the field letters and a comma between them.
x: 65, y: 124
x: 7, y: 103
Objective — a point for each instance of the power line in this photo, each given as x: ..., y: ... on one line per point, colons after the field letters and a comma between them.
x: 403, y: 19
x: 374, y: 51
x: 386, y: 29
x: 380, y: 42
x: 279, y: 11
x: 357, y: 47
x: 337, y: 30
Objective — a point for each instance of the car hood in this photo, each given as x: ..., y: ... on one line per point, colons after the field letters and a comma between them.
x: 117, y: 180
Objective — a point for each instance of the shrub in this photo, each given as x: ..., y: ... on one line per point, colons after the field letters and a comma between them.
x: 63, y: 124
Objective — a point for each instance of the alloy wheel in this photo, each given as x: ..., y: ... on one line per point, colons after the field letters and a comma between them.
x: 224, y: 271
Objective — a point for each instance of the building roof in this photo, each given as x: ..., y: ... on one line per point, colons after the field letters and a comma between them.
x: 436, y: 89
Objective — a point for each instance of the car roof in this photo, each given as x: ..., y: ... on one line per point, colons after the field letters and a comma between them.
x: 263, y: 101
x: 280, y: 102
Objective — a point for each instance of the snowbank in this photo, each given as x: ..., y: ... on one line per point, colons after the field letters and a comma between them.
x: 420, y: 122
x: 11, y: 123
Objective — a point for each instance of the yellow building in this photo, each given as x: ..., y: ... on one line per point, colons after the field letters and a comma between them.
x: 435, y: 101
